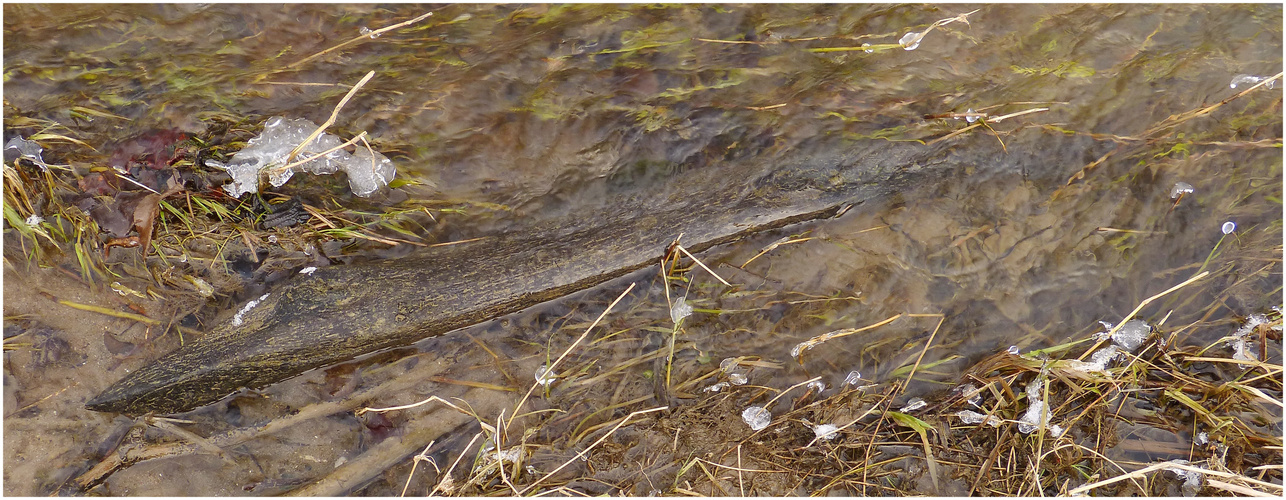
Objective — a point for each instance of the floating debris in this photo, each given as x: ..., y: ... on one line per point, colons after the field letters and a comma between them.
x: 367, y: 171
x: 972, y: 417
x: 756, y: 417
x: 1248, y: 79
x: 913, y: 405
x: 27, y: 149
x: 1180, y: 188
x: 236, y: 320
x: 545, y: 376
x: 680, y: 310
x: 1228, y: 227
x: 910, y: 41
x: 202, y: 288
x: 853, y: 378
x: 826, y: 432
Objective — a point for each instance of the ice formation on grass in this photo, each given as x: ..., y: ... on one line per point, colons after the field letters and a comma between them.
x: 756, y: 417
x: 973, y: 417
x: 853, y: 378
x: 1180, y: 188
x: 681, y: 309
x: 1129, y: 336
x: 913, y: 405
x: 910, y: 41
x: 1036, y: 412
x: 545, y: 376
x: 27, y: 149
x: 367, y: 172
x: 1242, y: 342
x: 1248, y: 79
x: 825, y: 431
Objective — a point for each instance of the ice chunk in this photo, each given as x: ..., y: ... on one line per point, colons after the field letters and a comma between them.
x: 307, y: 270
x: 545, y: 376
x: 825, y: 431
x: 680, y: 310
x: 1131, y: 334
x: 756, y: 417
x: 853, y: 378
x: 738, y: 378
x: 1228, y: 227
x: 1180, y: 188
x: 910, y: 41
x: 716, y: 387
x: 816, y: 385
x: 1248, y: 80
x: 367, y: 172
x: 1191, y: 479
x: 913, y: 405
x: 369, y: 32
x: 970, y: 116
x: 237, y: 319
x: 868, y: 50
x: 728, y: 365
x: 1242, y: 344
x: 972, y: 417
x: 34, y: 220
x: 1031, y: 420
x: 1013, y: 349
x: 27, y: 149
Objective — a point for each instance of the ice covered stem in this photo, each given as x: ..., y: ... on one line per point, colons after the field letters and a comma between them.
x: 367, y: 170
x: 758, y: 417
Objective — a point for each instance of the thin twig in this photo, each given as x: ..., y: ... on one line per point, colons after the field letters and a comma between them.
x: 334, y: 114
x: 703, y: 266
x: 590, y: 447
x: 553, y: 365
x: 363, y: 36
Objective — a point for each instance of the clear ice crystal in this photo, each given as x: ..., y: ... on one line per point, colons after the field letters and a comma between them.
x: 973, y: 417
x: 913, y: 405
x: 30, y: 150
x: 367, y: 172
x: 816, y: 386
x: 1228, y: 227
x: 1248, y: 80
x: 1132, y: 334
x: 680, y: 310
x: 738, y: 378
x: 545, y: 376
x: 1180, y: 188
x: 853, y: 378
x: 756, y: 417
x: 826, y: 432
x: 716, y: 387
x: 910, y: 41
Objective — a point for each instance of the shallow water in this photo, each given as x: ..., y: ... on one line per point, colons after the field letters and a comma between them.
x: 562, y: 113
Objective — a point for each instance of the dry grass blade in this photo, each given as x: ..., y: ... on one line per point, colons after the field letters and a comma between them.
x: 552, y: 366
x: 422, y: 457
x: 359, y: 38
x: 1138, y: 308
x: 703, y: 266
x: 334, y: 114
x: 590, y: 447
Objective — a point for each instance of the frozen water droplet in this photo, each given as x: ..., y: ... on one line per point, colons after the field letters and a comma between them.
x: 1132, y: 334
x: 680, y: 310
x: 728, y: 365
x: 544, y: 376
x: 910, y: 41
x: 738, y: 378
x: 972, y: 417
x: 1031, y: 419
x: 970, y: 116
x: 30, y: 150
x: 868, y: 50
x: 816, y: 385
x: 1244, y: 79
x: 272, y: 238
x: 716, y: 387
x: 756, y: 417
x: 1056, y: 430
x: 1228, y: 227
x: 1180, y: 188
x: 1013, y: 349
x: 825, y: 431
x: 368, y: 31
x: 853, y: 378
x: 913, y: 405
